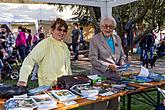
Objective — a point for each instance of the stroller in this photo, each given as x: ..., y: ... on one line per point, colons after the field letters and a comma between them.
x: 10, y: 68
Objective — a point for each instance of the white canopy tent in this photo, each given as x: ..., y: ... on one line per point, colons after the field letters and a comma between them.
x: 105, y: 5
x: 31, y: 13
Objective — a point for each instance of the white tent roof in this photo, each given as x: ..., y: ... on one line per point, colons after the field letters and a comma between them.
x: 97, y: 3
x: 105, y: 5
x: 11, y: 12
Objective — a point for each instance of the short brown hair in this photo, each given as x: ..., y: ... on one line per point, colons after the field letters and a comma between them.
x: 75, y: 24
x: 60, y: 22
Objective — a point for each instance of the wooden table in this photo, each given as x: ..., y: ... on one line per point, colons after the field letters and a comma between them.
x: 143, y: 90
x: 84, y: 101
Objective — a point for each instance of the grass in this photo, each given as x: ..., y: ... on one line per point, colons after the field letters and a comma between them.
x: 139, y: 105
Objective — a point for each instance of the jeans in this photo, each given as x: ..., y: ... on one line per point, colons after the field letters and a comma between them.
x: 147, y: 55
x: 160, y: 107
x: 75, y: 50
x: 151, y: 51
x: 22, y: 52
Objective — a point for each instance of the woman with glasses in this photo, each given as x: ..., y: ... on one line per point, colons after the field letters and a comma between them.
x: 106, y: 54
x: 52, y: 56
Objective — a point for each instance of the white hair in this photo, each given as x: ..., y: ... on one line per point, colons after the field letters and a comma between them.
x: 110, y: 19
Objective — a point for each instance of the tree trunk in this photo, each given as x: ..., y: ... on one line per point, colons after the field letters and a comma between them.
x: 96, y: 25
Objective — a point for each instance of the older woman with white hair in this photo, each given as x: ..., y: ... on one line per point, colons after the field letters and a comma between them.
x: 106, y: 54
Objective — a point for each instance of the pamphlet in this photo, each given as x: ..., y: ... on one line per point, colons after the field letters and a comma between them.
x: 144, y: 72
x: 44, y: 102
x: 41, y: 102
x: 63, y: 95
x: 20, y: 104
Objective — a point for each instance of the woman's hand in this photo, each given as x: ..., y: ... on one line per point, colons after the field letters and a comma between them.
x: 21, y: 83
x: 113, y: 67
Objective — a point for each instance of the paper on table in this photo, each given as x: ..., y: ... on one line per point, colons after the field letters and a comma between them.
x: 21, y: 96
x: 93, y: 76
x: 143, y: 72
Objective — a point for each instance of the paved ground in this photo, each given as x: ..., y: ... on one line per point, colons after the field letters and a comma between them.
x: 83, y: 66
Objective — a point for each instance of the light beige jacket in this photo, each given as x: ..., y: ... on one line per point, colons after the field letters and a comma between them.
x: 53, y: 58
x: 101, y: 56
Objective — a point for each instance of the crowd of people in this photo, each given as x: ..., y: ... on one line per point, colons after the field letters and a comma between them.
x: 20, y: 44
x: 148, y: 47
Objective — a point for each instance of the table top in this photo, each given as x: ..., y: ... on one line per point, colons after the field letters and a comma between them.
x: 84, y: 101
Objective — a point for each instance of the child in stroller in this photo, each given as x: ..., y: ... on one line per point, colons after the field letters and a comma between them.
x: 7, y: 68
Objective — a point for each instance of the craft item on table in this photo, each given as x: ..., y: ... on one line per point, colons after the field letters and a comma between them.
x: 128, y: 88
x: 156, y: 76
x: 89, y: 92
x: 118, y: 86
x: 84, y: 90
x: 68, y: 81
x: 38, y: 90
x: 143, y: 72
x: 124, y: 87
x: 96, y: 79
x: 130, y: 72
x: 152, y: 77
x: 44, y: 102
x: 104, y: 85
x: 20, y: 96
x: 113, y: 90
x: 107, y: 82
x: 105, y: 92
x: 69, y: 102
x: 140, y: 79
x: 130, y: 80
x: 63, y: 95
x: 20, y: 104
x: 92, y: 98
x: 143, y: 77
x: 123, y: 67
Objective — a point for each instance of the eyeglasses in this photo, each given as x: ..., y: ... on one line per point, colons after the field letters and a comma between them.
x: 64, y: 30
x: 108, y: 26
